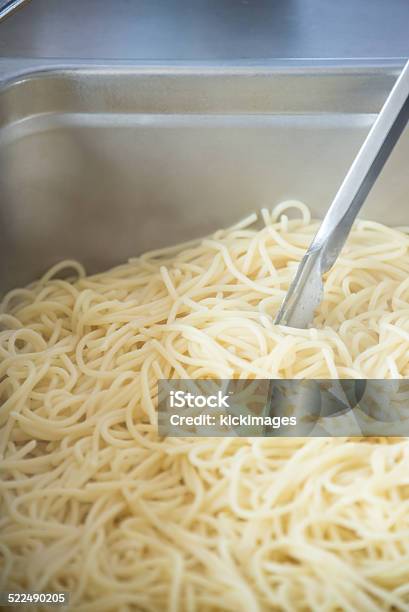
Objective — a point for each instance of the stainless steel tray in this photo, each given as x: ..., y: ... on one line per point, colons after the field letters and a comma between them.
x: 102, y: 162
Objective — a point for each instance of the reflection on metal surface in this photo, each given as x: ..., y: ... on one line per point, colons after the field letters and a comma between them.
x: 103, y: 163
x: 10, y: 7
x: 208, y: 29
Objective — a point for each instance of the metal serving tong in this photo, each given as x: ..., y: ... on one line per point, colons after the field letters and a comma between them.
x: 306, y: 290
x: 9, y: 7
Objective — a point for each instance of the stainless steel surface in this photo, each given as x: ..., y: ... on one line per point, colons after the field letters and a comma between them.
x: 8, y: 8
x: 305, y: 292
x: 101, y: 163
x: 207, y: 29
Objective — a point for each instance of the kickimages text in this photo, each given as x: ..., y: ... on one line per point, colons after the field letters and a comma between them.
x: 183, y: 399
x: 232, y: 420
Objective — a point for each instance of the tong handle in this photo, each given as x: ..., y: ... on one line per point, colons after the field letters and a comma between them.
x: 364, y: 171
x: 305, y: 292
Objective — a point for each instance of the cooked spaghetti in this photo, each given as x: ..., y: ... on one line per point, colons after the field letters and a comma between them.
x: 93, y: 502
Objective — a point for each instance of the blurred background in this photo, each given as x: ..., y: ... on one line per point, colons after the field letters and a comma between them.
x: 207, y: 29
x: 155, y: 160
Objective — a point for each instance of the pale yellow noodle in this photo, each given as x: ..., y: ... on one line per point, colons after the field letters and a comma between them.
x: 95, y: 503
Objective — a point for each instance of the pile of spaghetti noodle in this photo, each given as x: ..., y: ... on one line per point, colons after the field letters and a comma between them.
x: 92, y: 500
